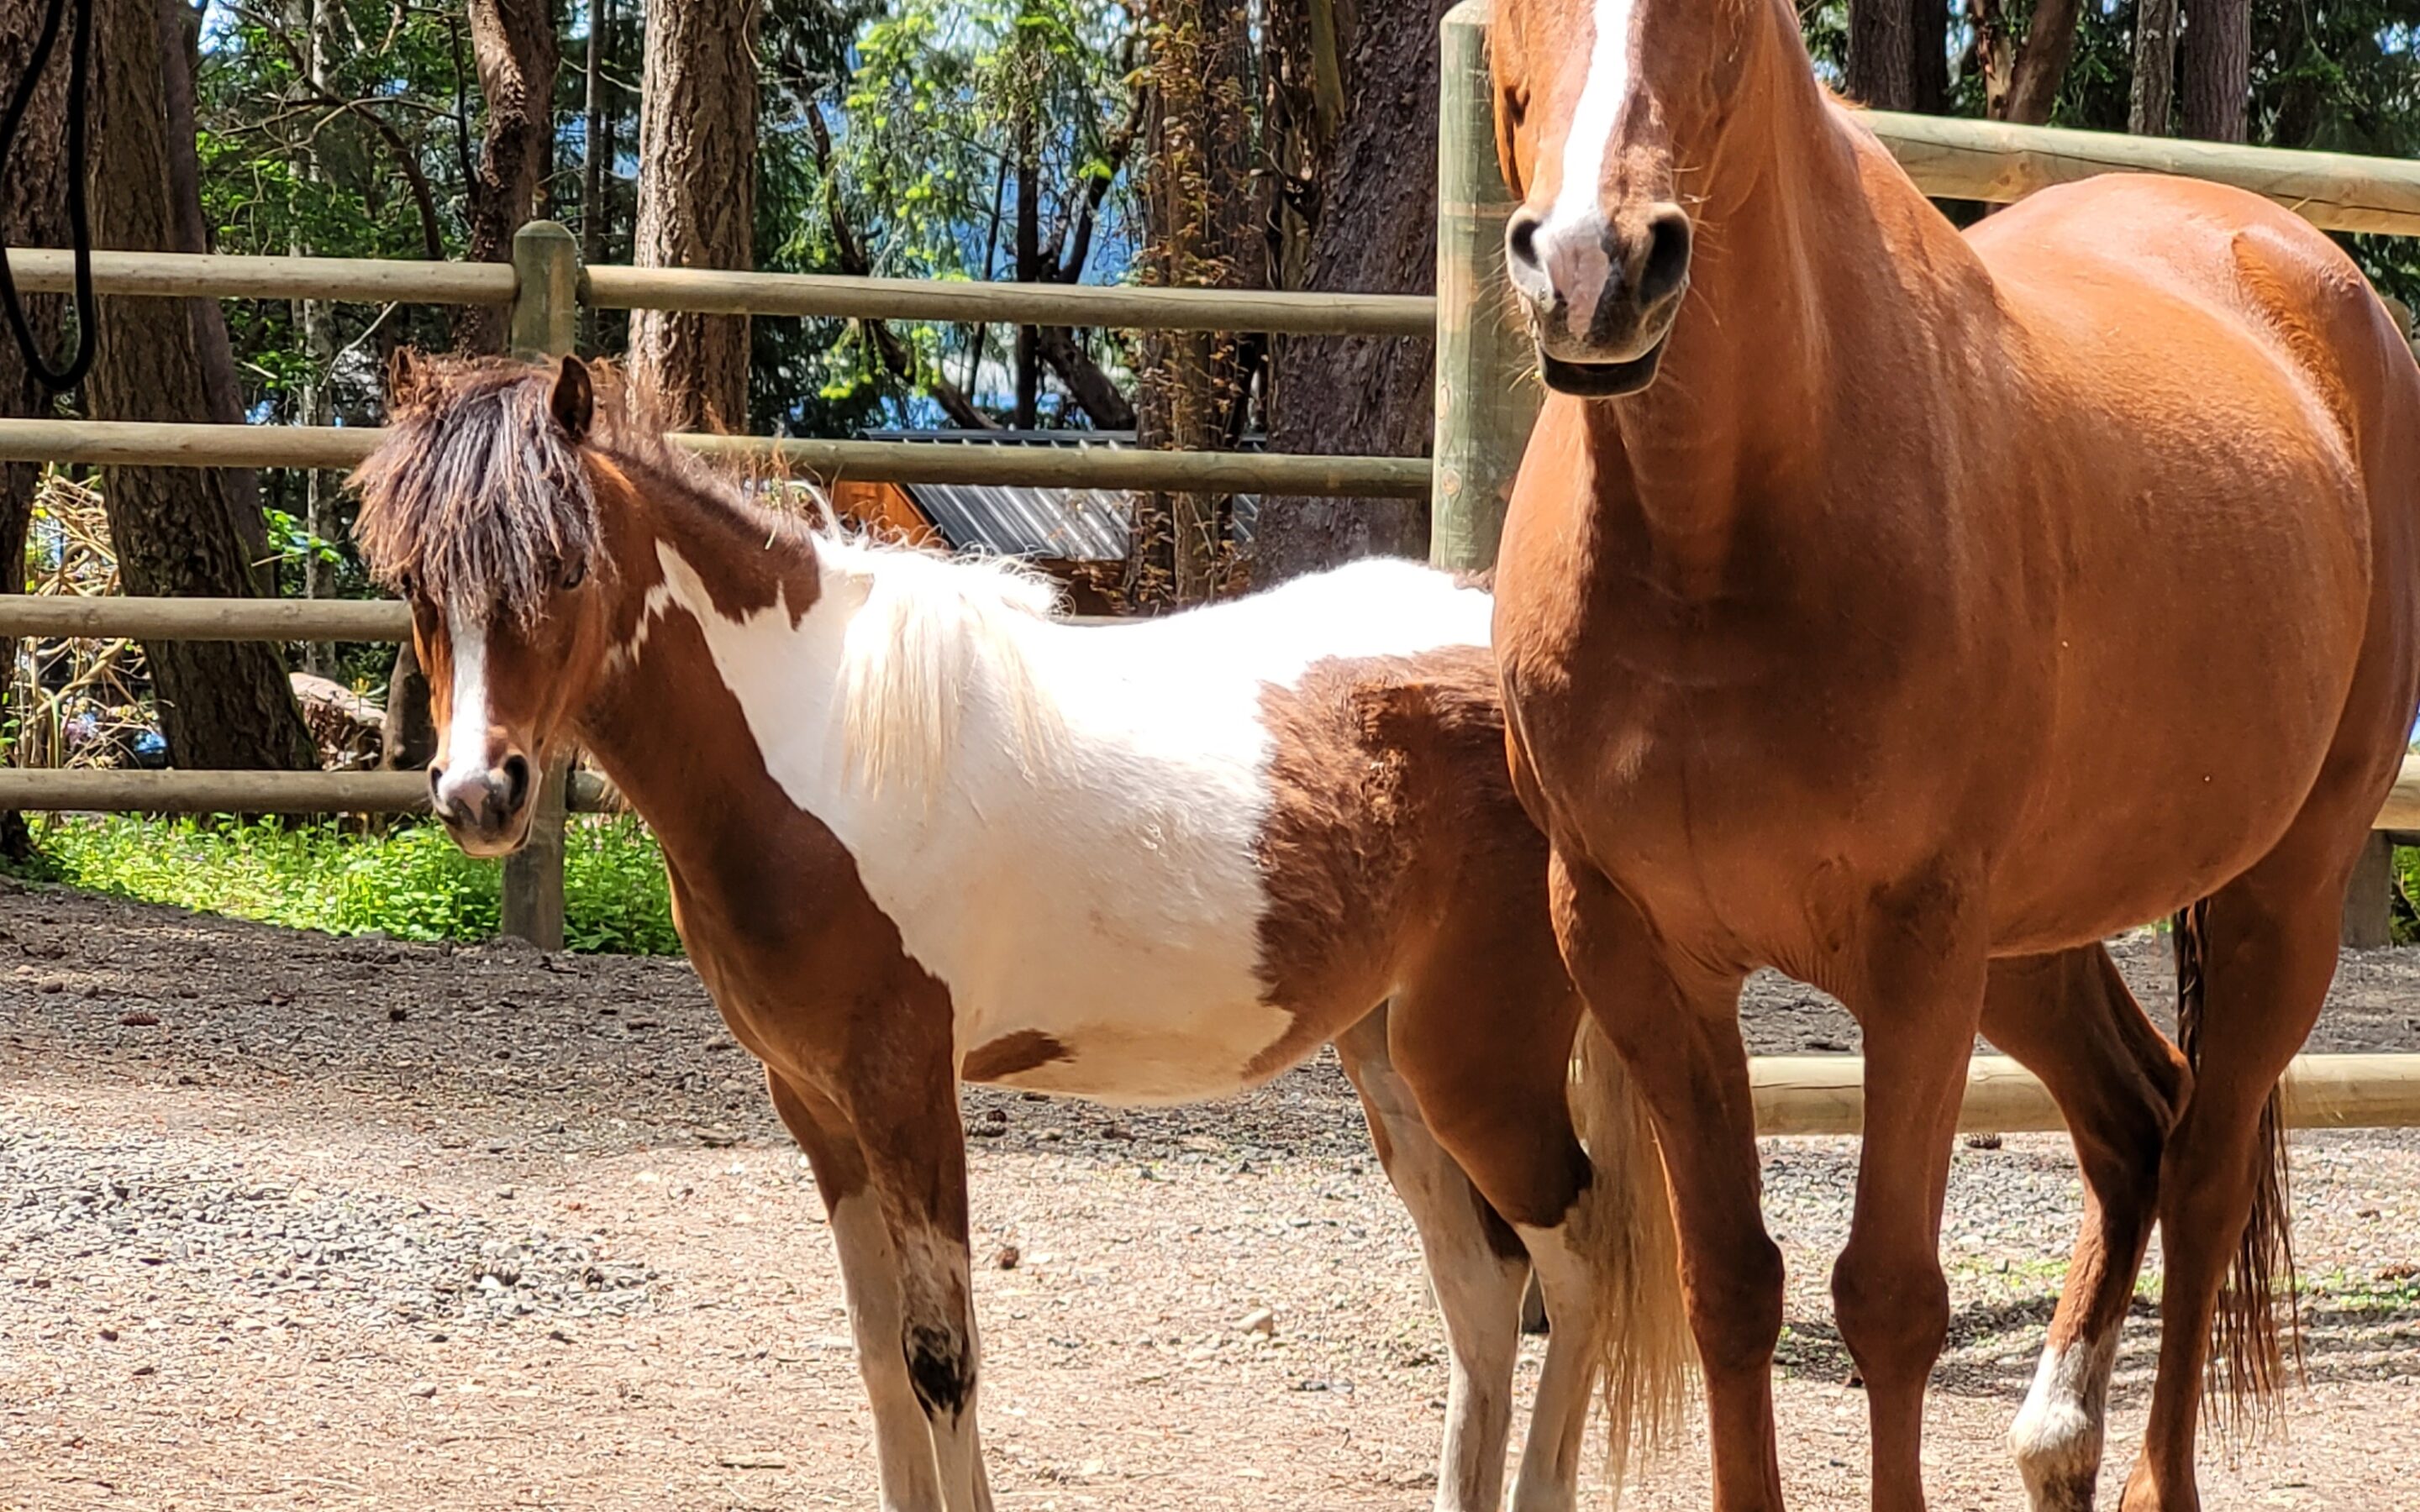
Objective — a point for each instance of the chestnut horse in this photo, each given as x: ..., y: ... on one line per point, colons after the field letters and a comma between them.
x: 917, y: 831
x: 1910, y: 611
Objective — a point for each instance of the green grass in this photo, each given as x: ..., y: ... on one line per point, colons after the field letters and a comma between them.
x: 410, y: 883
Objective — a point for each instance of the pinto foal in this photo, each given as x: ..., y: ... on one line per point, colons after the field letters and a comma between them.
x: 919, y: 832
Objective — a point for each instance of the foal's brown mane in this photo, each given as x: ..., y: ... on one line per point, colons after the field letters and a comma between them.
x: 478, y: 494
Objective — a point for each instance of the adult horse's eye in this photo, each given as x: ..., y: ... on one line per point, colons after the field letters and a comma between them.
x: 574, y: 575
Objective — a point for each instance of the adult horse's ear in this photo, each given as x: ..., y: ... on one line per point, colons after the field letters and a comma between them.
x: 574, y: 401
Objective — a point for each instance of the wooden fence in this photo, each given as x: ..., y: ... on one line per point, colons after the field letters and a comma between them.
x: 1485, y: 403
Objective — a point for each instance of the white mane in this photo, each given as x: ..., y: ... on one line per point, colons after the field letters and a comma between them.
x: 935, y: 633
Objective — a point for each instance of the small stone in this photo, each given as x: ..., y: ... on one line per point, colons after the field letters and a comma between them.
x: 1006, y: 1258
x: 1117, y: 1130
x: 50, y: 984
x: 1259, y: 1321
x: 1983, y: 1141
x: 109, y: 1336
x: 753, y: 1461
x: 139, y: 1019
x: 716, y: 1138
x: 424, y: 1390
x: 398, y: 1014
x: 996, y: 1116
x: 147, y: 1370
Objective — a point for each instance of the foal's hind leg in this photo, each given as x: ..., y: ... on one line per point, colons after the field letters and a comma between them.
x: 869, y: 1270
x: 2269, y: 954
x: 1484, y: 1032
x: 2069, y: 1020
x: 1476, y: 1266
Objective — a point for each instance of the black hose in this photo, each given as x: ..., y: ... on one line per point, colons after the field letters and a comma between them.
x: 79, y: 220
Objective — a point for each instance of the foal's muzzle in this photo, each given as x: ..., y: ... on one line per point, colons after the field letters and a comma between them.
x: 1601, y: 300
x: 487, y: 810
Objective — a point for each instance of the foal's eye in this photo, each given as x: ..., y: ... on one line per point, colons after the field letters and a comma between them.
x: 574, y: 575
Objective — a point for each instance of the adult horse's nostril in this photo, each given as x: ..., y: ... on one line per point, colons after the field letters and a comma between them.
x: 517, y: 782
x: 1521, y: 239
x: 1667, y: 266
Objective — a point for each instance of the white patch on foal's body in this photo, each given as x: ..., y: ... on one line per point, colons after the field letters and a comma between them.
x: 467, y: 726
x: 1103, y: 891
x: 1571, y: 243
x: 2058, y: 1435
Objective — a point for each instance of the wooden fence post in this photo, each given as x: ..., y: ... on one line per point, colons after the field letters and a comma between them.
x: 545, y: 323
x: 1486, y: 385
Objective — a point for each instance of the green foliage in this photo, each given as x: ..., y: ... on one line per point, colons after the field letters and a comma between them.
x: 410, y: 883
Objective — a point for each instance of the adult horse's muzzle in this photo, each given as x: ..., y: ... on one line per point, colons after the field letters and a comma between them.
x: 1601, y: 304
x: 486, y: 810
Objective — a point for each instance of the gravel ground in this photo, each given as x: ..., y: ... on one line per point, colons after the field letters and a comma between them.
x: 293, y: 1221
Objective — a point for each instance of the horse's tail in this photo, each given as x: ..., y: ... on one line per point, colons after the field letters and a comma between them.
x: 1646, y: 1356
x: 2252, y: 1359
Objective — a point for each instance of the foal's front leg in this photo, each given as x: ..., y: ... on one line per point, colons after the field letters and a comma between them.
x: 906, y: 1111
x: 869, y: 1269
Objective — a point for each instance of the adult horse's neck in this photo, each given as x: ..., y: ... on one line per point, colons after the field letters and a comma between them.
x: 1793, y: 255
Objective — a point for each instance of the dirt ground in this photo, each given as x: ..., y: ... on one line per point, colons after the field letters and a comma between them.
x: 289, y: 1221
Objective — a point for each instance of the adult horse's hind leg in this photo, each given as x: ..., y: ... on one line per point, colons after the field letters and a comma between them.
x: 1476, y: 1266
x: 2070, y: 1019
x: 869, y: 1270
x: 2268, y: 952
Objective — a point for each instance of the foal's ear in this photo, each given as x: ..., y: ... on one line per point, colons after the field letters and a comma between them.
x: 574, y: 400
x: 407, y: 380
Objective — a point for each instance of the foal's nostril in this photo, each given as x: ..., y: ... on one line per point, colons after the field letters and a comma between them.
x: 517, y: 782
x: 1521, y: 239
x: 1667, y: 255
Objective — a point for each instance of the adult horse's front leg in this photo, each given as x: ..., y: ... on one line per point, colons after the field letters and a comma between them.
x: 869, y: 1270
x: 1919, y: 1000
x: 1680, y: 1039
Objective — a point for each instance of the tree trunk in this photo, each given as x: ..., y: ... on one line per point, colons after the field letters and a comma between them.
x: 2022, y: 76
x: 2155, y: 67
x: 2218, y: 70
x: 514, y: 46
x: 1882, y: 52
x: 596, y: 152
x: 1029, y: 267
x: 697, y: 201
x: 1362, y: 217
x: 177, y: 530
x: 180, y: 42
x: 1932, y: 57
x: 1203, y: 215
x: 317, y: 399
x: 33, y: 199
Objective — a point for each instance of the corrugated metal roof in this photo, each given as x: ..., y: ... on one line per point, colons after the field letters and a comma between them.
x: 1068, y: 524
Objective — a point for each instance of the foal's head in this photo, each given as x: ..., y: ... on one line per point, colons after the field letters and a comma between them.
x: 481, y: 509
x: 1602, y: 108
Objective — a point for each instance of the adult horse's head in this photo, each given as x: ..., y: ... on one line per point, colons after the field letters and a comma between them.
x: 480, y: 509
x: 1603, y: 108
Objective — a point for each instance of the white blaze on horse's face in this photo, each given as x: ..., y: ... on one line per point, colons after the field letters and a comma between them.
x: 1597, y: 251
x: 1574, y: 246
x: 479, y: 785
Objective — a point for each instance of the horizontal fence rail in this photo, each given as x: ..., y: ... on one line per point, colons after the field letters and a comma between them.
x: 1114, y: 307
x: 74, y: 790
x: 1824, y: 1095
x: 332, y: 448
x: 1954, y: 158
x: 222, y: 275
x: 714, y: 291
